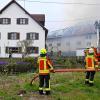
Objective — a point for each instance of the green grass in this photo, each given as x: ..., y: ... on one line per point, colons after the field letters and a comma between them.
x: 64, y: 86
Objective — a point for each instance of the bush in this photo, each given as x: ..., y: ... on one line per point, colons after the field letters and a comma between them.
x: 68, y: 63
x: 28, y: 59
x: 30, y: 64
x: 2, y: 65
x: 18, y: 67
x: 33, y: 62
x: 23, y: 67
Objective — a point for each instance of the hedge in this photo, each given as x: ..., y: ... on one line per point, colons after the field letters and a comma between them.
x: 18, y: 66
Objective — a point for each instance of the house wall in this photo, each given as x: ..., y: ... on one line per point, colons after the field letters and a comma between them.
x: 70, y: 44
x: 14, y: 12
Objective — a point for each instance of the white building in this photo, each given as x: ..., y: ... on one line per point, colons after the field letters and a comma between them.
x: 16, y: 24
x: 73, y: 39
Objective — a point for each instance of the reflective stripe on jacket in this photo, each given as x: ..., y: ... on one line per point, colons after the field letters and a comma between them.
x: 91, y: 62
x: 44, y: 65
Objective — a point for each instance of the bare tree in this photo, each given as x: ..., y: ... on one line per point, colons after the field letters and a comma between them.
x: 24, y: 44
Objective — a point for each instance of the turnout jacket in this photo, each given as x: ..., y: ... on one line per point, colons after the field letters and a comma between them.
x: 45, y: 65
x: 91, y: 62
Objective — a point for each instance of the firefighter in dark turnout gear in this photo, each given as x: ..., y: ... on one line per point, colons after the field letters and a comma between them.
x: 92, y: 65
x: 45, y: 67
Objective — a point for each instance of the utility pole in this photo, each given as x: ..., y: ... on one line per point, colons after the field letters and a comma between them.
x: 97, y: 26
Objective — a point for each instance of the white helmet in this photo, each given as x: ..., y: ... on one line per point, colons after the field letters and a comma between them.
x: 91, y: 50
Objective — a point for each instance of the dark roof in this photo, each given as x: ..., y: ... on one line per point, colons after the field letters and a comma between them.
x: 38, y: 17
x: 14, y: 1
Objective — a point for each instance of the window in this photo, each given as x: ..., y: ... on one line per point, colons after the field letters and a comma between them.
x: 68, y: 44
x: 88, y: 43
x: 22, y: 21
x: 33, y: 50
x: 50, y: 44
x: 88, y: 36
x: 5, y: 21
x: 58, y: 44
x: 13, y: 36
x: 32, y: 36
x: 13, y: 49
x: 79, y: 43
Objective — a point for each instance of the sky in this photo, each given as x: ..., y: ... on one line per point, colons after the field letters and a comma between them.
x: 63, y: 13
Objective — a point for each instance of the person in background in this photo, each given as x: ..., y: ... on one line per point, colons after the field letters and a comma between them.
x: 10, y: 53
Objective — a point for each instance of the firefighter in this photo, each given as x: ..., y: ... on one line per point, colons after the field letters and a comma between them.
x: 91, y: 65
x: 86, y: 52
x: 45, y: 67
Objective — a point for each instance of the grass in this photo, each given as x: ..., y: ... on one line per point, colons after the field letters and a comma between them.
x: 64, y: 86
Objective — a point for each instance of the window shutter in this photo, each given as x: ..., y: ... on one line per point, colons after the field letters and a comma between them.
x: 18, y: 20
x: 36, y: 36
x: 1, y: 20
x: 20, y: 49
x: 9, y: 21
x: 28, y: 36
x: 9, y: 35
x: 26, y: 21
x: 18, y: 35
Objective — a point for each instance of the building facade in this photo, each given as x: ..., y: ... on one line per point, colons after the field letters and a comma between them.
x: 69, y: 40
x: 16, y: 25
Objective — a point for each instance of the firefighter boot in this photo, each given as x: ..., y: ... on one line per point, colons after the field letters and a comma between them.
x: 41, y: 92
x: 91, y: 84
x: 47, y: 92
x: 86, y: 82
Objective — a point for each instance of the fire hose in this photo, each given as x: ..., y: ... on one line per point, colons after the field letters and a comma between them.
x: 64, y: 70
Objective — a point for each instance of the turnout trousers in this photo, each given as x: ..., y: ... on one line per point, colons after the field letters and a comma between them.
x: 44, y: 84
x: 89, y: 77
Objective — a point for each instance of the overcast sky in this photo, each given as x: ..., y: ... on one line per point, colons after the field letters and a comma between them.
x: 62, y: 15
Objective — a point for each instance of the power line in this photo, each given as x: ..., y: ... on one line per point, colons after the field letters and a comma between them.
x: 63, y: 3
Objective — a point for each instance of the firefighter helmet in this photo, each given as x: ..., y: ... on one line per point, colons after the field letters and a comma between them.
x: 91, y: 50
x: 43, y: 51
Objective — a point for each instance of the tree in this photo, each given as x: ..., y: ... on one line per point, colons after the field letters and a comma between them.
x: 25, y: 44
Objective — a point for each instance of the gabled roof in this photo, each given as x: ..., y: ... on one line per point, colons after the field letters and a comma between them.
x: 82, y: 28
x: 39, y: 17
x: 14, y: 1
